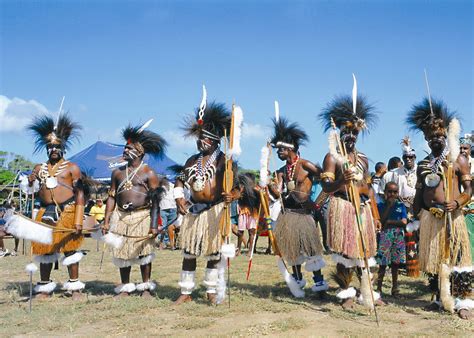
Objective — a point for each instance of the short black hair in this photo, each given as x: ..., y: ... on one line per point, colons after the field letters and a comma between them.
x: 391, y: 183
x: 394, y: 162
x: 379, y: 166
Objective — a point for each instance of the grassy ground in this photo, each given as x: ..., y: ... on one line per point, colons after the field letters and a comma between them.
x: 262, y: 306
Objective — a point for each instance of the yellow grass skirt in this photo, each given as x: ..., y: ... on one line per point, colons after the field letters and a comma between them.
x: 132, y: 223
x: 200, y: 233
x: 432, y: 239
x: 298, y: 237
x: 62, y: 241
x: 343, y: 233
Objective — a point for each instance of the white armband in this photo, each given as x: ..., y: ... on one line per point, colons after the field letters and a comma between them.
x: 178, y: 192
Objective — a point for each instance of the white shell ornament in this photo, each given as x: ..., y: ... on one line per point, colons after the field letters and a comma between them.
x: 198, y: 184
x: 291, y: 185
x: 432, y: 180
x: 51, y: 182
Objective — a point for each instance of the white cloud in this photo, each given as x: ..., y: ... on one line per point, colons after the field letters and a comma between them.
x: 255, y: 131
x: 16, y: 113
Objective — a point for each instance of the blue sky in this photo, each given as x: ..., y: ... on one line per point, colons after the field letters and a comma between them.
x: 127, y: 61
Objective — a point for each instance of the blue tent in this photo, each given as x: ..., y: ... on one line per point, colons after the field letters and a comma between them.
x: 100, y: 159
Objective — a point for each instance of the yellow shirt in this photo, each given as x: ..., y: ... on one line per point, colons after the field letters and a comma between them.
x: 98, y: 212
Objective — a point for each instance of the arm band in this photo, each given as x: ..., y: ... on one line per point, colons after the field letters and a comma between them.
x: 112, y: 193
x: 178, y: 192
x: 462, y: 200
x: 466, y: 177
x: 79, y: 214
x: 328, y: 174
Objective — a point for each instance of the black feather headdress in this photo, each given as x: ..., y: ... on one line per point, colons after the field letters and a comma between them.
x: 286, y: 134
x: 212, y: 123
x: 248, y: 197
x: 147, y: 142
x: 341, y: 111
x: 436, y: 122
x: 46, y: 131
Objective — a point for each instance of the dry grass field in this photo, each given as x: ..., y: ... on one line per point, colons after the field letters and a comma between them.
x: 262, y: 306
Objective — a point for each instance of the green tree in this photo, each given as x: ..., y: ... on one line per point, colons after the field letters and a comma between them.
x: 6, y: 176
x: 20, y: 163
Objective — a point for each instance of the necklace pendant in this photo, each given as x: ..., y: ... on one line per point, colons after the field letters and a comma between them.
x: 51, y: 182
x: 291, y: 185
x: 198, y: 184
x: 128, y: 185
x: 432, y: 180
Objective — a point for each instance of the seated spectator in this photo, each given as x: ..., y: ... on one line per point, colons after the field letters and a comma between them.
x: 98, y: 211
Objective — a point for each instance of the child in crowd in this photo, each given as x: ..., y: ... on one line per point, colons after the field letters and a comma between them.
x: 391, y: 248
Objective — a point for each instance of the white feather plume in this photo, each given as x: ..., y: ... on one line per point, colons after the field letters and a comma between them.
x: 59, y: 113
x: 365, y: 290
x: 145, y: 125
x: 354, y: 95
x: 277, y: 111
x: 264, y: 154
x: 24, y: 228
x: 236, y: 150
x: 445, y: 289
x: 203, y: 104
x: 295, y: 289
x: 333, y: 144
x: 113, y: 240
x: 454, y: 131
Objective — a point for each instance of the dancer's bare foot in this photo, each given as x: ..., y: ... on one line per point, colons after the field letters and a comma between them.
x: 76, y: 296
x: 182, y: 299
x: 42, y: 296
x: 380, y: 302
x: 237, y: 252
x: 122, y: 295
x: 465, y: 314
x: 348, y: 304
x: 146, y: 294
x: 212, y: 298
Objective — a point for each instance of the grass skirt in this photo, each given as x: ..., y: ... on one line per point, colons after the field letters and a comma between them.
x: 132, y: 223
x: 343, y: 233
x: 200, y: 233
x: 62, y: 241
x: 298, y: 237
x: 432, y: 239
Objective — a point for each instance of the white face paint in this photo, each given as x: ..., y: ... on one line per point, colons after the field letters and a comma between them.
x: 133, y: 154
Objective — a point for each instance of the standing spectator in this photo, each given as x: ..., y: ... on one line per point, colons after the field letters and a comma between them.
x: 6, y: 211
x: 376, y: 180
x: 98, y: 211
x: 168, y: 213
x: 391, y: 248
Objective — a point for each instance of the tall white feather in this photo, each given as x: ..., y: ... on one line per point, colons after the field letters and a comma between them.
x: 264, y: 154
x: 454, y: 131
x: 354, y: 94
x: 203, y: 104
x: 238, y: 120
x: 145, y: 125
x: 277, y: 111
x: 59, y: 112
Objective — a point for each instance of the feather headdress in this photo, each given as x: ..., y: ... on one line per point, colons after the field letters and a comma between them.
x: 431, y: 119
x: 210, y: 120
x: 60, y: 132
x: 286, y: 134
x: 249, y: 196
x: 146, y: 141
x: 341, y: 110
x: 406, y: 146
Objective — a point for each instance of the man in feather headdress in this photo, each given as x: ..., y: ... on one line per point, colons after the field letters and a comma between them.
x: 297, y: 235
x: 132, y: 209
x: 61, y: 194
x: 404, y: 176
x: 444, y: 242
x: 204, y: 174
x: 344, y: 237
